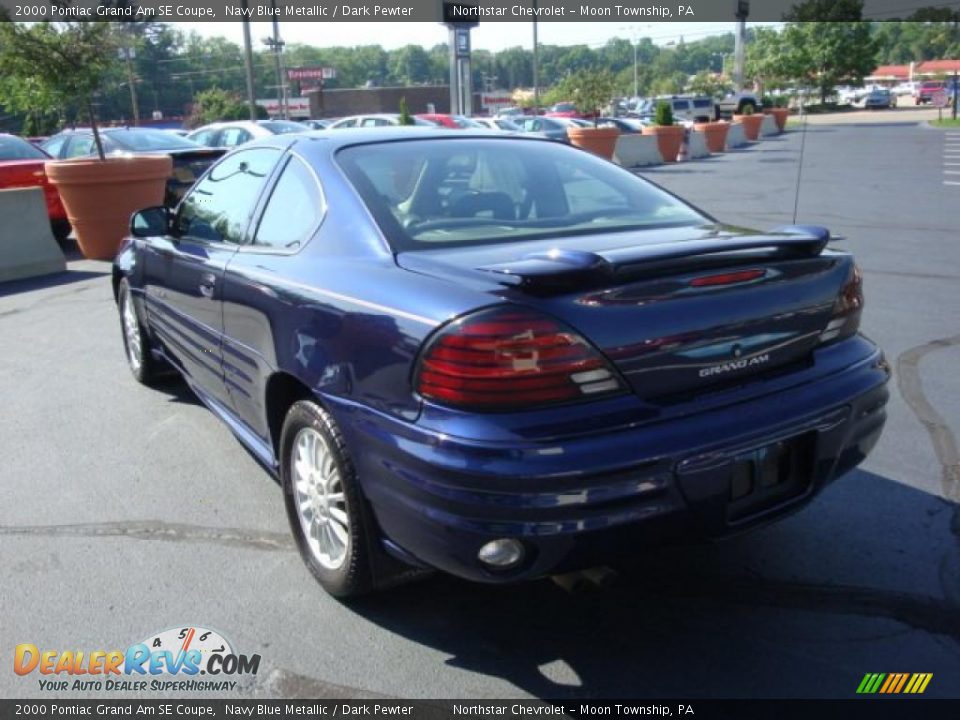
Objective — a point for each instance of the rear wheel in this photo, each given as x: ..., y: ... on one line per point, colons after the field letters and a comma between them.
x: 61, y: 229
x: 324, y: 505
x: 139, y: 359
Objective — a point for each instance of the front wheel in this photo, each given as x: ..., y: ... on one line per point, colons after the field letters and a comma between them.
x: 139, y: 359
x: 324, y: 505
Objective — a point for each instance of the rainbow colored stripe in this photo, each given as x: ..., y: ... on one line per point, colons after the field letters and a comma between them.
x: 894, y: 683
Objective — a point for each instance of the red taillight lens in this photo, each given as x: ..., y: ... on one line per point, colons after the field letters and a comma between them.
x: 511, y: 358
x: 845, y: 319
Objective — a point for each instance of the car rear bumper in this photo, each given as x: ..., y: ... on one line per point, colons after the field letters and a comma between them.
x: 583, y: 500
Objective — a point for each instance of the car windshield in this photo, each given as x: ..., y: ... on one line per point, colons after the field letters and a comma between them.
x: 144, y: 140
x: 430, y: 193
x: 14, y: 148
x: 282, y: 127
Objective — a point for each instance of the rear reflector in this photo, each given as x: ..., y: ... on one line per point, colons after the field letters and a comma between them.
x: 511, y: 358
x: 730, y: 278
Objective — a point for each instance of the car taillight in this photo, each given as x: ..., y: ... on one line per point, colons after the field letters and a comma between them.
x: 511, y: 358
x: 845, y: 319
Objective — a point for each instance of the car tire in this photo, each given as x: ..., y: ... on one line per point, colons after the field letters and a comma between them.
x: 327, y: 512
x: 61, y: 230
x: 136, y: 344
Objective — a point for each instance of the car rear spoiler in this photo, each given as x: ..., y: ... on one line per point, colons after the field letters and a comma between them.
x: 562, y: 267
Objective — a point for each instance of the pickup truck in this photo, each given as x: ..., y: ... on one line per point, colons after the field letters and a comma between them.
x: 736, y: 103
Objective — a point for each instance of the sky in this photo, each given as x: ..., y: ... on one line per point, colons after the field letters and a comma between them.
x: 487, y: 36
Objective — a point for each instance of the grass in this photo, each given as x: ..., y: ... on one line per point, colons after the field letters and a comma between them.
x: 946, y: 122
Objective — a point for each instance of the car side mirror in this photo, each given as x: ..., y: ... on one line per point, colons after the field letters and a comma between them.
x: 150, y: 222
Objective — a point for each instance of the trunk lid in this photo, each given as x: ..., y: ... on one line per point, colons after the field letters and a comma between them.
x: 676, y: 310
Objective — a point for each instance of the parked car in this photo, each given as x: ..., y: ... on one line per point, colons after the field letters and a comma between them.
x: 377, y: 120
x: 498, y: 356
x: 563, y: 109
x: 688, y: 108
x: 498, y: 123
x: 237, y: 132
x: 625, y: 125
x: 316, y: 124
x: 454, y: 122
x: 554, y: 128
x: 879, y: 98
x: 190, y: 160
x: 925, y: 91
x: 737, y: 103
x: 22, y: 165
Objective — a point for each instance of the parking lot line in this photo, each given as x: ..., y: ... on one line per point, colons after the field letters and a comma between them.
x: 950, y: 182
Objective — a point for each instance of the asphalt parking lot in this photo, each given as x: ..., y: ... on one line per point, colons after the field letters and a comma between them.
x: 127, y: 510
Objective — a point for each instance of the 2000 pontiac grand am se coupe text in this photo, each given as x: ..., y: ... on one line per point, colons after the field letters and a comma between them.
x: 496, y: 355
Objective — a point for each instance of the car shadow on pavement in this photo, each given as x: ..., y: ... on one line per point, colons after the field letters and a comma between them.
x: 868, y: 575
x: 14, y: 287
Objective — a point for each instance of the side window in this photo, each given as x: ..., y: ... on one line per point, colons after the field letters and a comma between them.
x: 218, y: 208
x: 55, y: 145
x: 231, y: 137
x: 205, y: 138
x: 80, y: 145
x: 679, y: 106
x: 294, y: 209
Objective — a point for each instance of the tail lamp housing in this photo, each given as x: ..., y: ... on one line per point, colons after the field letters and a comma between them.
x: 512, y: 358
x: 845, y: 318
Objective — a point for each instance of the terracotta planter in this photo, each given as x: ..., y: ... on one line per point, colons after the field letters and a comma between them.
x: 101, y: 195
x: 669, y: 139
x: 780, y: 115
x: 600, y: 141
x: 751, y: 125
x: 715, y: 133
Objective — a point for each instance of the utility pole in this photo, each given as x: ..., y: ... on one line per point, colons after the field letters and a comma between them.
x: 248, y: 61
x: 743, y: 11
x: 277, y: 44
x: 128, y: 55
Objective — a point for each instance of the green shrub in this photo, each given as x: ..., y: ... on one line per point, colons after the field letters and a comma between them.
x: 405, y: 117
x: 664, y: 114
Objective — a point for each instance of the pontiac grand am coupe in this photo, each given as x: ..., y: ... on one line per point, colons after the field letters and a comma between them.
x: 496, y: 355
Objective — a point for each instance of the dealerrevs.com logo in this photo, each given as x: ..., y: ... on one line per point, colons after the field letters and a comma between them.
x: 166, y: 661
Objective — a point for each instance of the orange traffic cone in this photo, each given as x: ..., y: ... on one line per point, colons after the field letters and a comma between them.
x: 684, y: 153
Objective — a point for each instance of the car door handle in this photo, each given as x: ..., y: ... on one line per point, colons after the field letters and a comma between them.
x: 208, y: 282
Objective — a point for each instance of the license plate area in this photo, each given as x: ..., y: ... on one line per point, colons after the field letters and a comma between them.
x: 768, y: 476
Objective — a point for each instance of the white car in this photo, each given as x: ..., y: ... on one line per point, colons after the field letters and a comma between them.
x: 376, y: 120
x: 498, y: 124
x: 237, y: 132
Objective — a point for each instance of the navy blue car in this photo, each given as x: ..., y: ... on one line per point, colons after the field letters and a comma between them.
x: 496, y: 355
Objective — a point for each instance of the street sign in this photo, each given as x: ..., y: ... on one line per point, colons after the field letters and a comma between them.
x: 940, y: 99
x: 311, y: 73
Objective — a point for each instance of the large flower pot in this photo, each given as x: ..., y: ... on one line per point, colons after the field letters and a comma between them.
x: 669, y: 139
x: 598, y: 140
x: 715, y: 133
x: 751, y: 125
x: 780, y: 115
x: 101, y: 195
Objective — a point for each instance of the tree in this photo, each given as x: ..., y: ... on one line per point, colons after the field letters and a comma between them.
x: 589, y: 90
x: 214, y: 105
x: 825, y: 44
x: 47, y: 66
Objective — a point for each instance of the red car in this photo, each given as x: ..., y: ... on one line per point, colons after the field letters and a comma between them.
x: 455, y: 122
x: 21, y: 165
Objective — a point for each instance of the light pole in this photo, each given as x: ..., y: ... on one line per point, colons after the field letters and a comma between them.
x: 536, y: 63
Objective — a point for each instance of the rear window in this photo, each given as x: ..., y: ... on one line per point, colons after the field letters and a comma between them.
x: 148, y: 140
x: 431, y: 193
x: 705, y: 103
x: 13, y: 148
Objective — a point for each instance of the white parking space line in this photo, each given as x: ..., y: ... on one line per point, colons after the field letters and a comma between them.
x: 950, y: 182
x: 951, y: 172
